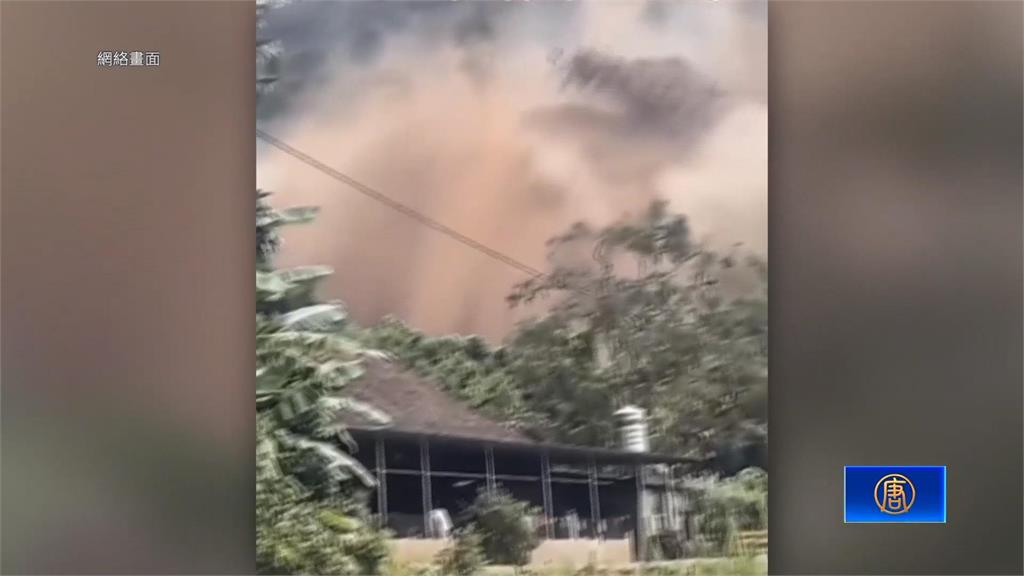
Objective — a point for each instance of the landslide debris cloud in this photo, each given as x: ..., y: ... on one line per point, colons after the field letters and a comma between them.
x: 508, y: 121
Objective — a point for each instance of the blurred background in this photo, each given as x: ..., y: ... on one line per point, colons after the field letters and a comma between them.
x: 895, y: 235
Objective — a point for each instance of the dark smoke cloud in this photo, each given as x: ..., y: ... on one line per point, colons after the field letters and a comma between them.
x: 664, y: 94
x: 324, y: 39
x: 661, y: 98
x: 663, y: 106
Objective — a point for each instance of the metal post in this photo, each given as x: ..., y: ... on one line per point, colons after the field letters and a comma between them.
x: 640, y: 533
x: 428, y: 498
x: 671, y: 500
x: 595, y: 500
x: 492, y: 484
x: 382, y: 483
x: 545, y: 484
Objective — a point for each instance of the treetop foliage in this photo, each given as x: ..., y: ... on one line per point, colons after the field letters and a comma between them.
x: 637, y: 314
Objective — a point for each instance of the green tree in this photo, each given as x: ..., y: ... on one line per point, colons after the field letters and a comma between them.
x: 309, y: 490
x: 297, y: 533
x: 726, y: 506
x: 637, y: 317
x: 465, y: 366
x: 635, y: 314
x: 267, y: 51
x: 499, y: 523
x: 464, y: 558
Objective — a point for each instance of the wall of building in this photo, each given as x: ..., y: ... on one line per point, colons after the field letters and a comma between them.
x: 416, y: 550
x: 576, y: 553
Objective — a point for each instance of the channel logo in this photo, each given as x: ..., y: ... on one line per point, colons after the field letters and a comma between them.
x: 894, y: 494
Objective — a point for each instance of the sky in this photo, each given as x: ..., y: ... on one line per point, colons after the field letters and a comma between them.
x: 508, y: 121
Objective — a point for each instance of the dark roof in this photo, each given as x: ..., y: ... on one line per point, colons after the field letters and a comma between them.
x: 418, y: 405
x: 601, y: 455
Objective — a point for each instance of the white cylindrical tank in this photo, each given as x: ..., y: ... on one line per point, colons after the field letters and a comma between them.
x: 440, y: 524
x: 633, y: 428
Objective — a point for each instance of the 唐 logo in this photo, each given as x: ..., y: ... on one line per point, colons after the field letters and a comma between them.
x: 894, y: 494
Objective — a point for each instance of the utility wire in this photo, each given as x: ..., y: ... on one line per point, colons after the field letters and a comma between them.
x: 398, y: 206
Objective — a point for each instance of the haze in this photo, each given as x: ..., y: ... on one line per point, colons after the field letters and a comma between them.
x: 508, y: 121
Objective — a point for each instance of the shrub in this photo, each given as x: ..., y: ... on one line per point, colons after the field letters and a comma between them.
x: 297, y: 535
x: 716, y: 525
x: 667, y: 545
x: 500, y: 522
x: 728, y: 505
x: 464, y: 558
x: 369, y: 548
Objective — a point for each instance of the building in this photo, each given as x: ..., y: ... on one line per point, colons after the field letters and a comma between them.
x: 438, y: 452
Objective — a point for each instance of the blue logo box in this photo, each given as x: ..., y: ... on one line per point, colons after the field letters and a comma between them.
x: 894, y: 494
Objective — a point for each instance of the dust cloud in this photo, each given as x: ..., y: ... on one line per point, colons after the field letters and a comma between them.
x: 508, y: 122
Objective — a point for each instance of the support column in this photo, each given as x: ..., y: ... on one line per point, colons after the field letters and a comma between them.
x: 640, y: 532
x: 671, y: 502
x: 382, y: 483
x: 492, y: 484
x: 595, y: 500
x: 545, y: 484
x: 428, y: 497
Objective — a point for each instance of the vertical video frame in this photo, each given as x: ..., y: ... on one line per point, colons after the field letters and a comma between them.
x: 511, y: 287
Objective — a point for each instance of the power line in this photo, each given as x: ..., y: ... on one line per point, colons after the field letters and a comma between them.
x: 398, y: 206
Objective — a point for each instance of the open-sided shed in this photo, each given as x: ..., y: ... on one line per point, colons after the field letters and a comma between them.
x: 438, y: 452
